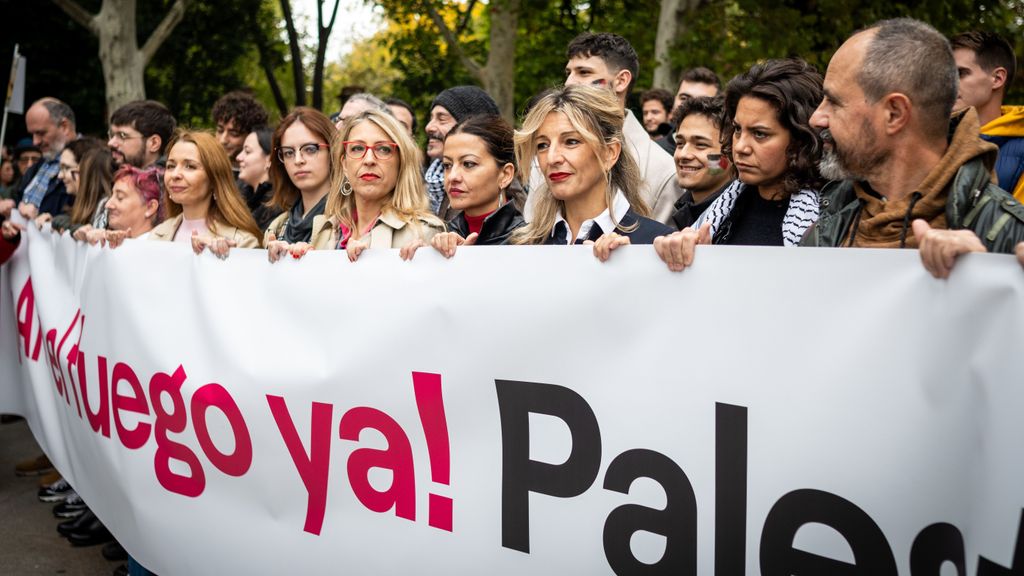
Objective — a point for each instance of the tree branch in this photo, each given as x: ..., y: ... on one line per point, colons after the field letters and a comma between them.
x: 334, y: 15
x: 163, y: 30
x: 79, y: 14
x: 453, y: 43
x: 298, y: 76
x: 467, y: 17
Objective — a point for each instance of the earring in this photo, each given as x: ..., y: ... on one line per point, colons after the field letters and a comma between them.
x: 346, y: 187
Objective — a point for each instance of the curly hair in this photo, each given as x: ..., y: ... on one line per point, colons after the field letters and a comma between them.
x: 794, y: 89
x: 241, y: 107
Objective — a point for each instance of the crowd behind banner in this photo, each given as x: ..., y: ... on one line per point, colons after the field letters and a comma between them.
x: 903, y: 143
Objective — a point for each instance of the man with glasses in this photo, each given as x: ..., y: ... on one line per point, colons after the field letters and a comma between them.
x: 139, y: 133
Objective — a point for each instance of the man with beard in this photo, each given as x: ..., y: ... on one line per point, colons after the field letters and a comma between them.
x: 449, y: 108
x: 906, y: 173
x: 52, y: 125
x: 139, y: 133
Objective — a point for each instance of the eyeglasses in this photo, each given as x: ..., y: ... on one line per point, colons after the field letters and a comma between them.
x: 307, y: 151
x: 381, y: 150
x: 73, y: 172
x: 122, y: 136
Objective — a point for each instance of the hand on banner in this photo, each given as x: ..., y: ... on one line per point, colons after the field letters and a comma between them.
x: 6, y: 205
x: 677, y: 249
x: 11, y: 230
x: 43, y: 219
x: 115, y: 238
x: 409, y: 250
x: 354, y: 249
x: 96, y: 235
x: 1020, y: 253
x: 219, y: 247
x: 278, y: 248
x: 606, y: 243
x: 82, y: 232
x: 29, y: 211
x: 940, y: 248
x: 447, y: 242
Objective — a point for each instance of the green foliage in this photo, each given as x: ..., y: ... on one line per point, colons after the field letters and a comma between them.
x: 207, y: 55
x: 729, y: 36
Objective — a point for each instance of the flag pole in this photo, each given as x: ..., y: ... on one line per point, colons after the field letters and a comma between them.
x: 7, y: 101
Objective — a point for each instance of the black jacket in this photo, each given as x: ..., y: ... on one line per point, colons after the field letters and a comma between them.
x: 496, y: 228
x: 257, y: 200
x: 644, y: 232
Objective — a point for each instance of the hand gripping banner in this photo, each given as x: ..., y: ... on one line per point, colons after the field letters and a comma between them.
x: 521, y: 410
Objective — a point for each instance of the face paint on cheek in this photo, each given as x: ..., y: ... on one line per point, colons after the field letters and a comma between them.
x: 599, y: 82
x: 717, y: 163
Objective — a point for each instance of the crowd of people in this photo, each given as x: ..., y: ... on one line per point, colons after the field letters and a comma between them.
x: 903, y: 143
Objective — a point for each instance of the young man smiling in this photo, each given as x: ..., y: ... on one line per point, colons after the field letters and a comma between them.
x: 702, y: 171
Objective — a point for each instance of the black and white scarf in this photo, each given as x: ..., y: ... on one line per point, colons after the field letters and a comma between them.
x: 434, y: 176
x: 801, y: 213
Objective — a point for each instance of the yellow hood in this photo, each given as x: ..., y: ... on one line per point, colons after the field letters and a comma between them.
x: 1011, y: 123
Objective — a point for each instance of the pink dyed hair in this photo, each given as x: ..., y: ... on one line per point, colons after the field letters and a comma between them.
x: 147, y: 182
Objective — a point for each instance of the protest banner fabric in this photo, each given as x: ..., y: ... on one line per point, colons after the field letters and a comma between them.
x: 527, y: 410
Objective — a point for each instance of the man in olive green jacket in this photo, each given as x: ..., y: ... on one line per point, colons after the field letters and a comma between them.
x: 906, y: 175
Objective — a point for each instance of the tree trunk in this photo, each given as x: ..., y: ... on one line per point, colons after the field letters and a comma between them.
x: 124, y: 64
x: 671, y: 23
x: 499, y: 73
x: 298, y: 76
x: 323, y: 35
x: 123, y: 68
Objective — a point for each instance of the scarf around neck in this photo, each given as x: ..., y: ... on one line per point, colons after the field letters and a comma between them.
x: 801, y: 213
x: 299, y: 228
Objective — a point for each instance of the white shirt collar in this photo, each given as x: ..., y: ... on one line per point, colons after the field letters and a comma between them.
x: 619, y: 207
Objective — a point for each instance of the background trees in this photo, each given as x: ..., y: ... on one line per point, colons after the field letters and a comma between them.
x: 513, y: 48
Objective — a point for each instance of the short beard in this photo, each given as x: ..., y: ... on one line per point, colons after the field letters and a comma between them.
x: 831, y: 167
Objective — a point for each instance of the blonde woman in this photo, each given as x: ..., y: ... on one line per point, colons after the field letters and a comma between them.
x: 592, y: 186
x: 378, y: 199
x: 202, y: 204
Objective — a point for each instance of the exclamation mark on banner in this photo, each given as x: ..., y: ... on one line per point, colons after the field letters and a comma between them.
x: 427, y: 388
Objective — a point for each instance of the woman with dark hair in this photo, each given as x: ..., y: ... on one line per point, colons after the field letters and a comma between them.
x: 768, y: 137
x: 254, y: 174
x: 591, y: 189
x: 479, y: 170
x: 202, y: 204
x: 301, y: 170
x: 86, y: 179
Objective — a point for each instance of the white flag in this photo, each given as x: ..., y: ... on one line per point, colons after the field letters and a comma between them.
x: 16, y: 85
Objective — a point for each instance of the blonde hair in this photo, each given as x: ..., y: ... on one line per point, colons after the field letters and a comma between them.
x: 226, y: 204
x: 408, y: 201
x: 598, y: 117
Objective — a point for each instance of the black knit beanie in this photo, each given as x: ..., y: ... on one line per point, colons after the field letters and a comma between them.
x: 465, y: 101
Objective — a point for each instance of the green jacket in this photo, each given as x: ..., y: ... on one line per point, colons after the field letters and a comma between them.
x: 973, y: 202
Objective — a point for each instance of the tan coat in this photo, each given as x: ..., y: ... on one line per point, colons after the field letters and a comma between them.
x: 391, y: 232
x: 165, y: 233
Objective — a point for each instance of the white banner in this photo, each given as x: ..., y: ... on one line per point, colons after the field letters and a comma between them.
x: 528, y: 410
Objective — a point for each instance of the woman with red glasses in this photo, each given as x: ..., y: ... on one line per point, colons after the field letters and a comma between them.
x: 301, y: 171
x: 381, y: 200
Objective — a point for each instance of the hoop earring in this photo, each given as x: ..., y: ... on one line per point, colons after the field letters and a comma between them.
x: 346, y: 187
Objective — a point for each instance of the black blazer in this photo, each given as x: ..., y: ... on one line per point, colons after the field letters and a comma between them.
x: 645, y: 232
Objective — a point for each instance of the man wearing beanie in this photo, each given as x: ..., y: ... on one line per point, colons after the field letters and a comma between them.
x: 449, y: 108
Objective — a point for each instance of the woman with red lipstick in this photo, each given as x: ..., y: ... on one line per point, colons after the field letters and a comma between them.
x: 479, y: 167
x: 768, y: 137
x: 301, y: 170
x: 591, y: 183
x: 203, y: 204
x: 380, y: 200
